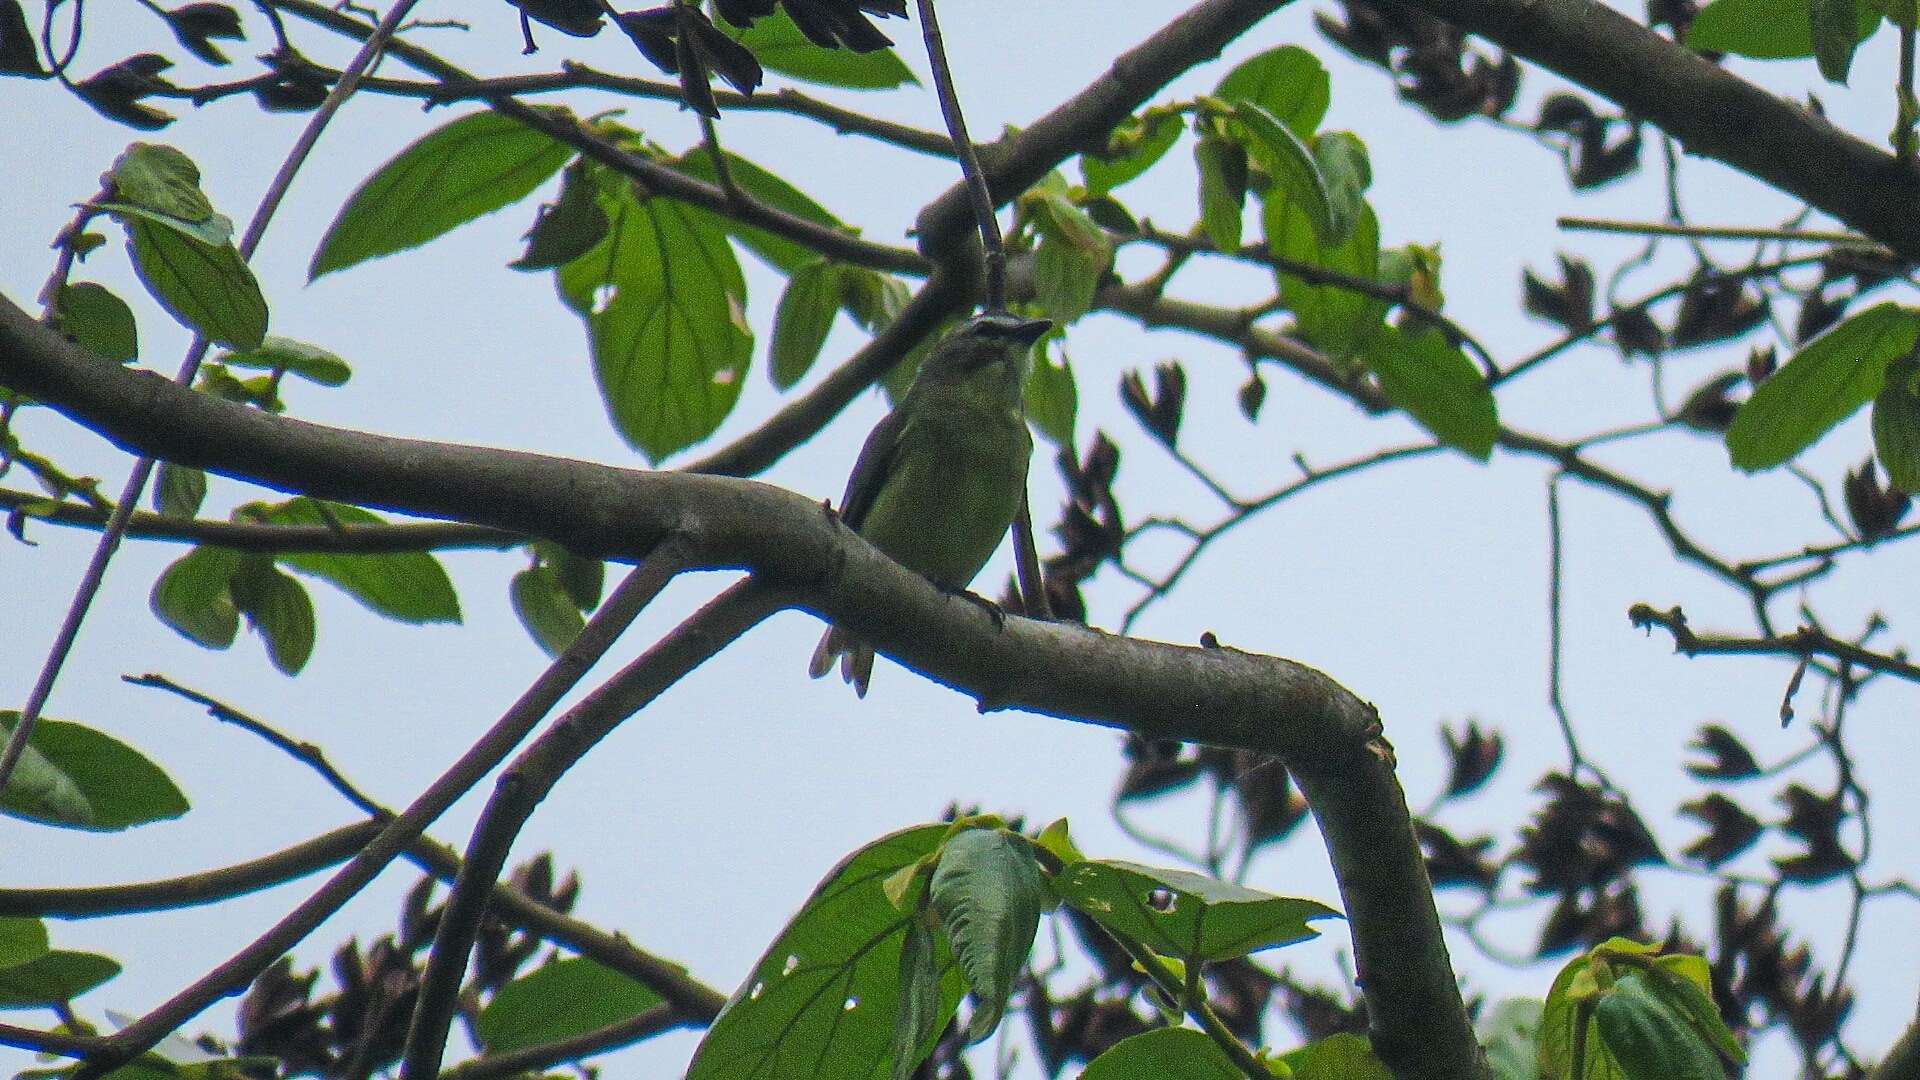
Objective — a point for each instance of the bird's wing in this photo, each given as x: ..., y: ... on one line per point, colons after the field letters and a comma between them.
x: 870, y: 469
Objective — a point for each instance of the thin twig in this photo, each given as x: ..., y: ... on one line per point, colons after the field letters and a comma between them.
x: 621, y: 608
x: 533, y: 774
x: 1716, y: 232
x: 983, y: 208
x: 109, y: 542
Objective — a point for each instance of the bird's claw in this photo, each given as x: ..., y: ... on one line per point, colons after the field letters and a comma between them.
x: 994, y: 611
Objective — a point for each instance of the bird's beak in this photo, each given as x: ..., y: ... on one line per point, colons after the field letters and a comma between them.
x: 1030, y: 331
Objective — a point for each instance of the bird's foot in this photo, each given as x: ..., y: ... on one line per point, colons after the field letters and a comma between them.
x: 994, y: 611
x: 832, y: 515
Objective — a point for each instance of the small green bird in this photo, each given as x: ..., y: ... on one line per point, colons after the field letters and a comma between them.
x: 940, y: 479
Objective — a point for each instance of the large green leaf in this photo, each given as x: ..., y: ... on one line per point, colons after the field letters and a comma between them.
x: 54, y: 979
x: 1896, y: 424
x: 310, y: 362
x: 780, y: 46
x: 99, y: 321
x: 1053, y: 401
x: 208, y: 287
x: 665, y: 307
x: 560, y: 998
x: 1223, y: 189
x: 1342, y: 1056
x: 460, y: 171
x: 1132, y: 148
x: 803, y: 319
x: 409, y: 586
x: 549, y: 615
x: 1828, y: 380
x: 74, y: 776
x: 1185, y: 915
x: 1428, y: 376
x: 1288, y: 82
x: 1339, y: 321
x: 1289, y: 163
x: 988, y: 891
x: 779, y: 252
x: 21, y: 940
x: 279, y: 608
x: 1765, y: 29
x: 191, y: 597
x: 1835, y: 29
x: 1169, y: 1053
x: 823, y: 999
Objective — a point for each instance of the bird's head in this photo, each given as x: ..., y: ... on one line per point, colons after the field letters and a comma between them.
x: 989, y: 348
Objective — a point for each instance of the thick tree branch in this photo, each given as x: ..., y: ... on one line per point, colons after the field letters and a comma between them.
x: 1328, y: 737
x: 1710, y: 110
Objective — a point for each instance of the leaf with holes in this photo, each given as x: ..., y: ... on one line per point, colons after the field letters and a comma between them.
x: 1185, y: 915
x: 74, y: 776
x: 665, y: 308
x: 824, y: 998
x: 450, y: 176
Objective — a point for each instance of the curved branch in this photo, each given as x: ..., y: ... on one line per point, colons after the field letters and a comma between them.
x: 1713, y: 112
x: 1328, y: 737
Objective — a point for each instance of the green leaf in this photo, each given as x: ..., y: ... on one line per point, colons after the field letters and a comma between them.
x: 1288, y: 82
x: 278, y: 608
x: 561, y: 998
x: 921, y: 1013
x: 583, y: 579
x: 97, y: 321
x: 824, y: 998
x: 1645, y: 1037
x: 1684, y: 983
x: 1344, y: 1056
x: 550, y: 616
x: 1338, y: 321
x: 1185, y: 915
x: 1291, y: 166
x: 1510, y: 1033
x: 1828, y: 380
x: 1168, y: 1053
x: 76, y: 777
x: 800, y: 324
x: 780, y: 46
x: 1835, y: 30
x: 568, y: 227
x: 180, y: 490
x: 53, y: 979
x: 1053, y: 402
x: 191, y: 597
x: 670, y: 344
x: 21, y: 940
x: 215, y: 231
x: 1133, y: 147
x: 1566, y: 1011
x: 208, y: 287
x: 1071, y: 259
x: 160, y: 178
x: 408, y: 586
x: 777, y: 251
x: 1223, y: 189
x: 310, y: 362
x: 1428, y: 376
x: 1896, y: 424
x: 452, y: 175
x: 988, y: 891
x: 1765, y: 29
x: 1342, y: 160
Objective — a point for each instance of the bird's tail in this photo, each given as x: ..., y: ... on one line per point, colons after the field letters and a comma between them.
x: 856, y: 659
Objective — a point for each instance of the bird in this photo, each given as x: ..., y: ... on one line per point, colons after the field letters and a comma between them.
x: 940, y: 479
